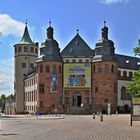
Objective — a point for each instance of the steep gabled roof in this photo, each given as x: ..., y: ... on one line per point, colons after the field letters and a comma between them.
x: 128, y: 62
x: 77, y: 47
x: 26, y: 39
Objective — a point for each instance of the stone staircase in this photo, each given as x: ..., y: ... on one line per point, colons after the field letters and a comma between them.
x: 78, y: 111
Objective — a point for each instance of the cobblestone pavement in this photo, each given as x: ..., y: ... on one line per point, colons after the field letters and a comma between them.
x: 78, y: 127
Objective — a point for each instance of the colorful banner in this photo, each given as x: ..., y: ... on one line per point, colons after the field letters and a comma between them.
x: 77, y: 75
x: 54, y: 79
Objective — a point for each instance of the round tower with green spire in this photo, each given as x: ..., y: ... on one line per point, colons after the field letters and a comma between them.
x: 25, y: 55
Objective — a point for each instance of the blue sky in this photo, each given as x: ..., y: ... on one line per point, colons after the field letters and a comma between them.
x: 122, y: 16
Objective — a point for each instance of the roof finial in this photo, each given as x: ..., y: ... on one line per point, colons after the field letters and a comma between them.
x: 26, y: 22
x: 50, y: 22
x: 104, y: 23
x: 77, y: 31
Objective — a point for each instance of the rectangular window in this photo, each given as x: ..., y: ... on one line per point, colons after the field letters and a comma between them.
x: 47, y: 68
x: 15, y: 49
x: 125, y: 73
x: 130, y: 74
x: 66, y: 100
x: 36, y: 50
x: 19, y: 49
x: 41, y: 88
x: 25, y: 49
x: 32, y: 49
x: 60, y: 69
x: 41, y: 104
x: 23, y: 65
x: 67, y: 60
x: 54, y: 68
x: 73, y: 60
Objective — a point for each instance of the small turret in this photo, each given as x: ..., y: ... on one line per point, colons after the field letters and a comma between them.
x: 50, y: 31
x: 26, y: 39
x: 105, y: 31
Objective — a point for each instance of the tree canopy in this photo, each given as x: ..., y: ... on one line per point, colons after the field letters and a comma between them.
x: 134, y: 87
x: 137, y: 49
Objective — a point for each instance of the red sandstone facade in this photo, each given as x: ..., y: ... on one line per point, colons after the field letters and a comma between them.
x: 104, y: 85
x: 48, y: 99
x: 57, y: 88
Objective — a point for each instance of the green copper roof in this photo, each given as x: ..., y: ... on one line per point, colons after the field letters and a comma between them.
x: 26, y: 37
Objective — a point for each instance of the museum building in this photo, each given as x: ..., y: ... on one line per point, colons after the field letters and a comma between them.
x: 78, y: 79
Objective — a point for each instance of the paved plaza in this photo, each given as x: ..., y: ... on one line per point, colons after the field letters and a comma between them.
x: 69, y: 127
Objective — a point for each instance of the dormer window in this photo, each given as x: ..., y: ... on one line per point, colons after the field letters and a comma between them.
x: 127, y: 61
x: 138, y: 63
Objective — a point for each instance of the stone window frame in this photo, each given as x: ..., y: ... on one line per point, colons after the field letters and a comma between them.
x: 41, y: 68
x: 60, y: 69
x: 32, y: 49
x: 47, y: 68
x: 96, y: 89
x: 19, y: 49
x: 25, y: 48
x: 41, y: 88
x: 23, y: 65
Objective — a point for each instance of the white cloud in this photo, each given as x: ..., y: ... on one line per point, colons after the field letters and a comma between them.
x: 10, y: 26
x: 113, y: 1
x: 6, y: 76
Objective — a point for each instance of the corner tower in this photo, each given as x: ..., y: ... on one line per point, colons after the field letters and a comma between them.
x: 104, y: 73
x: 25, y: 55
x: 49, y: 67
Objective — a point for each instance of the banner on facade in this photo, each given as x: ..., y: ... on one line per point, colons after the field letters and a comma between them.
x: 54, y: 82
x: 77, y: 75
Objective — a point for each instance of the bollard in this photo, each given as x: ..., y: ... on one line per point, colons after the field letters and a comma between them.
x: 97, y: 113
x: 101, y: 117
x: 116, y: 112
x: 93, y: 115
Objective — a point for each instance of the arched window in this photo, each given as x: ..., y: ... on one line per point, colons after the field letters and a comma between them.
x: 112, y: 68
x: 60, y: 69
x: 54, y: 68
x: 123, y: 93
x: 99, y: 68
x: 94, y: 68
x: 47, y: 69
x: 119, y: 73
x: 106, y: 68
x: 96, y: 89
x: 41, y: 68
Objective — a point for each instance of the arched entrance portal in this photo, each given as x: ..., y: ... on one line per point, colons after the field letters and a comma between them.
x: 77, y: 99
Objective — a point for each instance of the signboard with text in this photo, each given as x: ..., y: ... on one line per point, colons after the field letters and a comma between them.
x: 135, y: 113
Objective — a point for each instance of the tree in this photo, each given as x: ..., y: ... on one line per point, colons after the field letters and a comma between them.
x: 3, y: 99
x: 137, y: 49
x: 2, y: 102
x: 134, y: 87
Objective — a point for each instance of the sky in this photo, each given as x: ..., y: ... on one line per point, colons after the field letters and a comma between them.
x: 122, y: 17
